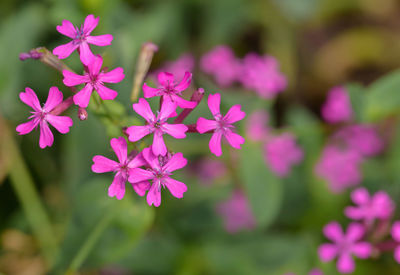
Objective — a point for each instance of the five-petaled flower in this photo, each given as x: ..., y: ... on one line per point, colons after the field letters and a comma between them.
x: 159, y: 172
x: 222, y: 125
x: 157, y: 125
x: 80, y: 39
x: 344, y: 246
x: 42, y: 116
x: 93, y: 80
x: 122, y: 169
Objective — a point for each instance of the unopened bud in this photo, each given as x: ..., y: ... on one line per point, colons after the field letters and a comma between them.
x: 82, y: 114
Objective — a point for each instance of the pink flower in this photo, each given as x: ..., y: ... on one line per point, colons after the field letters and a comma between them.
x: 281, y: 153
x: 257, y: 129
x: 159, y: 172
x: 157, y: 125
x: 222, y: 64
x: 42, y: 116
x: 379, y: 206
x: 396, y: 236
x: 337, y: 107
x: 222, y: 125
x: 178, y: 68
x: 80, y: 39
x: 170, y: 90
x: 122, y: 169
x: 344, y: 246
x: 236, y: 213
x: 316, y: 271
x: 93, y: 79
x: 261, y: 74
x: 339, y: 167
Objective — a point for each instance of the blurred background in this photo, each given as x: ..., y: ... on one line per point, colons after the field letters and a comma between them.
x: 318, y: 43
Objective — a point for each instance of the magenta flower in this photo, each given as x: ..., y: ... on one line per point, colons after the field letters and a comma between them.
x: 236, y: 213
x: 257, y: 129
x: 222, y: 64
x: 379, y: 206
x: 178, y: 68
x: 337, y: 107
x: 43, y: 115
x: 221, y: 126
x: 344, y: 246
x: 261, y: 74
x: 170, y: 90
x: 340, y: 168
x: 93, y: 79
x: 157, y: 125
x: 159, y: 172
x: 396, y: 236
x: 122, y: 169
x: 281, y: 153
x: 81, y: 39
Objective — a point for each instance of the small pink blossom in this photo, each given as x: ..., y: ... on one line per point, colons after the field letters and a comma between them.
x: 170, y: 90
x: 222, y: 64
x: 221, y: 126
x: 178, y: 68
x: 396, y: 236
x: 81, y: 39
x: 281, y: 153
x: 93, y: 79
x: 261, y: 74
x: 43, y: 115
x: 157, y: 125
x: 339, y: 167
x: 379, y: 206
x: 344, y: 246
x: 236, y: 213
x: 159, y: 172
x: 122, y: 169
x: 257, y: 129
x: 337, y: 107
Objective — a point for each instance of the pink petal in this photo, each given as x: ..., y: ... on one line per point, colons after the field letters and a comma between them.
x: 73, y: 79
x: 29, y: 98
x: 106, y: 93
x: 354, y: 213
x: 167, y: 108
x: 86, y: 54
x: 137, y: 161
x: 177, y: 161
x: 215, y: 144
x: 138, y: 175
x: 327, y: 252
x: 113, y: 76
x: 149, y: 91
x: 90, y: 23
x: 61, y: 123
x: 333, y: 231
x: 176, y: 188
x: 151, y: 159
x: 54, y: 98
x: 362, y: 250
x: 345, y: 263
x: 185, y: 82
x: 354, y: 232
x: 67, y: 29
x: 154, y: 195
x: 117, y: 187
x: 397, y: 254
x: 396, y: 231
x: 141, y: 187
x: 120, y: 148
x: 100, y: 40
x: 234, y: 114
x: 213, y: 103
x: 95, y: 65
x: 63, y: 51
x: 204, y: 125
x: 102, y: 164
x: 234, y: 139
x: 27, y: 127
x: 360, y: 196
x: 46, y: 136
x: 165, y: 78
x: 143, y: 109
x: 158, y: 147
x: 82, y: 98
x: 175, y: 130
x: 183, y: 103
x: 136, y: 133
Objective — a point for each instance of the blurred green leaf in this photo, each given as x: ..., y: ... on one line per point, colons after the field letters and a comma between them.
x: 357, y: 99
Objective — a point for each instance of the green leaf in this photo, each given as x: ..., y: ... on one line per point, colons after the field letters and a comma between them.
x: 357, y: 98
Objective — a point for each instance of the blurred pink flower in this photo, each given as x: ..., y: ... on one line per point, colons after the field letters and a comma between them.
x: 222, y: 125
x: 222, y: 64
x: 159, y: 172
x: 42, y: 116
x: 156, y: 124
x: 396, y: 236
x: 261, y: 74
x: 122, y: 169
x: 339, y: 167
x: 93, y: 80
x: 236, y: 213
x: 337, y: 107
x: 185, y: 63
x: 379, y: 206
x: 281, y: 153
x: 344, y: 246
x: 210, y: 169
x: 257, y: 128
x: 80, y: 39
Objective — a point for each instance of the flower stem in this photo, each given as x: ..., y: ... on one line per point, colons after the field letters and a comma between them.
x: 197, y: 96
